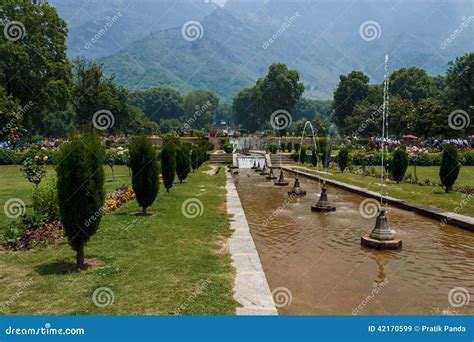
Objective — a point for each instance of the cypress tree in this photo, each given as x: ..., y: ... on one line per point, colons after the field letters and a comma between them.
x: 145, y: 173
x: 183, y: 164
x: 399, y: 164
x: 80, y: 187
x: 343, y: 158
x: 450, y: 166
x: 168, y: 162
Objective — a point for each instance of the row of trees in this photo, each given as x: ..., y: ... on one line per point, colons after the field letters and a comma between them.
x: 80, y: 175
x: 419, y: 103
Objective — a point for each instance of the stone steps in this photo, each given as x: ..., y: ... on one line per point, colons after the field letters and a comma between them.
x: 220, y: 158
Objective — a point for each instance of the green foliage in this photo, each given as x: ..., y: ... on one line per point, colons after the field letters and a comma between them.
x: 34, y: 69
x: 34, y: 169
x: 280, y: 89
x: 314, y: 157
x: 168, y: 162
x: 145, y: 173
x: 412, y: 84
x: 194, y: 158
x: 183, y: 161
x: 289, y: 146
x: 343, y: 158
x: 450, y: 166
x: 273, y: 148
x: 228, y: 148
x: 45, y: 201
x: 159, y: 103
x: 399, y: 164
x: 199, y: 107
x: 8, y: 157
x: 80, y: 189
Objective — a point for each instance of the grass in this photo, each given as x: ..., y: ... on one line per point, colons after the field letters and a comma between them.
x: 162, y: 264
x: 432, y: 196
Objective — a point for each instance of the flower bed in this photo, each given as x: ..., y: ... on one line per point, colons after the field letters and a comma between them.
x: 30, y: 232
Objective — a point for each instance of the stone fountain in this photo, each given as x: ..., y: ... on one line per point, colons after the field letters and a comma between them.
x: 264, y: 171
x: 296, y: 190
x: 281, y: 179
x: 271, y: 175
x: 258, y: 169
x: 381, y: 237
x: 323, y: 203
x: 254, y: 165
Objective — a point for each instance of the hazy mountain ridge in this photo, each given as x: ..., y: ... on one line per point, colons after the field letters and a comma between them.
x: 321, y: 43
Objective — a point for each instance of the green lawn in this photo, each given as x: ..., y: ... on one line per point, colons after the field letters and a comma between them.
x: 433, y: 196
x: 162, y: 264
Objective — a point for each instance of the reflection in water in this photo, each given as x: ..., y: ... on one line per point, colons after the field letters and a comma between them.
x: 318, y: 256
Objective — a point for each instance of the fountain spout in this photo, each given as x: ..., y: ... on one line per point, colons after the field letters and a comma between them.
x: 323, y: 203
x: 296, y: 190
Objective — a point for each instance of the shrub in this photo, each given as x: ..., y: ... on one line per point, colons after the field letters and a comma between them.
x: 145, y: 173
x: 8, y: 157
x: 273, y: 148
x: 194, y: 158
x: 45, y: 201
x: 289, y: 146
x: 296, y: 147
x: 80, y: 189
x: 469, y: 158
x: 450, y: 166
x: 228, y: 148
x: 183, y: 165
x: 343, y: 158
x: 399, y: 164
x: 302, y: 154
x: 314, y: 158
x: 168, y: 162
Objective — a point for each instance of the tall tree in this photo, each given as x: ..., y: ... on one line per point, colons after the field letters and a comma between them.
x: 145, y: 174
x: 460, y: 83
x: 450, y: 166
x: 168, y: 161
x: 183, y: 161
x: 199, y: 107
x: 411, y: 84
x: 351, y: 90
x: 159, y: 103
x: 33, y: 63
x: 80, y: 187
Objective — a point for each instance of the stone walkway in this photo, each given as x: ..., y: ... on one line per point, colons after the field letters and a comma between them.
x: 251, y: 288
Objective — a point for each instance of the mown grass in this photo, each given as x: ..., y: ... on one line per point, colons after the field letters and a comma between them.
x: 163, y: 264
x: 432, y: 196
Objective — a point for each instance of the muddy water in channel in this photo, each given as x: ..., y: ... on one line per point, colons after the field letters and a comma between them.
x: 319, y: 259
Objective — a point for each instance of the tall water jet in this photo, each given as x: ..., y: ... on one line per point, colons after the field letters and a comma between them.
x: 382, y: 237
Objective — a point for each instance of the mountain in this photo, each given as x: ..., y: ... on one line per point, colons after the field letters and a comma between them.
x: 322, y: 39
x: 118, y: 23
